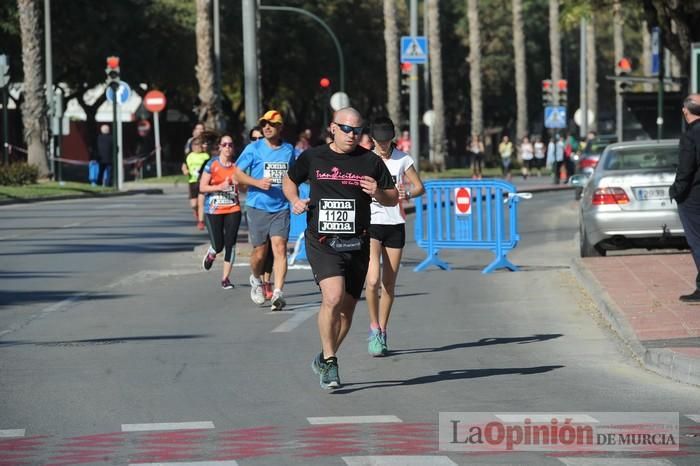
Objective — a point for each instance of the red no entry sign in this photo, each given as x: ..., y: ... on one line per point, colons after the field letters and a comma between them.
x: 154, y: 101
x: 463, y: 201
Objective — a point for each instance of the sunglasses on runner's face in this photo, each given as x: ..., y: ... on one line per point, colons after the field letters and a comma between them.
x: 264, y: 123
x: 347, y: 129
x: 226, y: 144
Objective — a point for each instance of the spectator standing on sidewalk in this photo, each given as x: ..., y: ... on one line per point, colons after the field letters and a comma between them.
x: 267, y: 209
x: 104, y: 156
x: 505, y: 150
x: 343, y: 179
x: 539, y: 154
x: 527, y: 153
x: 685, y: 190
x: 555, y: 156
x: 476, y: 152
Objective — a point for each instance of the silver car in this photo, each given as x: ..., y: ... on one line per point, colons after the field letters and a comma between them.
x: 625, y: 203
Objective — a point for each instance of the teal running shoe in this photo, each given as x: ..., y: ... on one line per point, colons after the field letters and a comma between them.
x: 374, y: 347
x: 317, y: 363
x: 385, y: 349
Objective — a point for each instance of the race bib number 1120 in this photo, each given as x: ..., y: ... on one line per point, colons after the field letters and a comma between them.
x: 336, y: 216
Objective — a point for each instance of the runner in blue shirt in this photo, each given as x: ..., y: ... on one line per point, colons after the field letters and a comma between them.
x: 267, y: 208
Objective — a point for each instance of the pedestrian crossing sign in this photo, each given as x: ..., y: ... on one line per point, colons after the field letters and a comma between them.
x: 555, y: 117
x: 414, y: 49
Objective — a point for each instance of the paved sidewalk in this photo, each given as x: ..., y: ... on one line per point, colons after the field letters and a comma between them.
x: 638, y: 294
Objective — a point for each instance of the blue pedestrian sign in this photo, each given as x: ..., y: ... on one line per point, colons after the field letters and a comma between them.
x: 414, y: 49
x: 123, y: 93
x: 555, y: 117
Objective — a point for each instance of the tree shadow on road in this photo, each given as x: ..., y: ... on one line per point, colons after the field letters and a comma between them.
x: 482, y: 342
x: 101, y: 341
x: 441, y: 376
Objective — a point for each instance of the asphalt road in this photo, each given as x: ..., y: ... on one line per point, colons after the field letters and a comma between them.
x: 111, y: 335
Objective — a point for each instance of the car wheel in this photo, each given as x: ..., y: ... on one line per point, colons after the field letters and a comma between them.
x: 588, y: 249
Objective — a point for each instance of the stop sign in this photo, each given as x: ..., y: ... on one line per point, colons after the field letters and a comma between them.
x: 463, y: 201
x: 154, y: 101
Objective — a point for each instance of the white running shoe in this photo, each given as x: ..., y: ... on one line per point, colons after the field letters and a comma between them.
x: 277, y: 301
x: 256, y: 291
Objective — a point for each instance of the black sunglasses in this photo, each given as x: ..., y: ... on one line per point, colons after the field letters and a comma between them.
x: 347, y: 129
x: 226, y: 144
x: 264, y: 123
x: 255, y: 138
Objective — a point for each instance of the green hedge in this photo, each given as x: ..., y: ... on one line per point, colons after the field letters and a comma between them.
x: 18, y: 174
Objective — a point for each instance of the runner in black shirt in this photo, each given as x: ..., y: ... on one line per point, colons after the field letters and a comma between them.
x: 343, y: 178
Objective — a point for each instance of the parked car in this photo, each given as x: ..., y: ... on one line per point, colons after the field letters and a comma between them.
x: 625, y: 203
x: 588, y: 160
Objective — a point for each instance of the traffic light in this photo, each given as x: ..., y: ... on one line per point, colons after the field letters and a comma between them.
x: 112, y: 72
x: 547, y: 97
x: 325, y: 83
x: 405, y: 78
x: 562, y: 87
x: 624, y: 67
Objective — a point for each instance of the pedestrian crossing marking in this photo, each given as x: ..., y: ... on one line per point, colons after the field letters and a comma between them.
x: 615, y: 462
x: 414, y: 50
x: 12, y: 433
x: 167, y: 426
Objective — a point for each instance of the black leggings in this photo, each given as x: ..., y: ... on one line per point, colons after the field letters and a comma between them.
x: 223, y: 231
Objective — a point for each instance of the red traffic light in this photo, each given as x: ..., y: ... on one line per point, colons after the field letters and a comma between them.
x: 562, y: 84
x: 113, y: 62
x: 546, y: 85
x: 624, y: 65
x: 325, y: 82
x: 405, y: 67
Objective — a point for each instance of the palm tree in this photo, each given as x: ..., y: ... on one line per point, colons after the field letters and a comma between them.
x: 34, y: 105
x: 391, y: 38
x: 475, y: 66
x: 592, y: 71
x: 435, y: 54
x: 520, y: 70
x: 209, y: 104
x: 554, y: 46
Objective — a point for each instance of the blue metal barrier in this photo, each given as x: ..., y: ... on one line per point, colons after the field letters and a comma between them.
x: 297, y: 226
x: 492, y: 221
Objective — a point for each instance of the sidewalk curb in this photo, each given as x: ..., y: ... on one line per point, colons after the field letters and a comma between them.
x: 81, y: 196
x: 668, y: 363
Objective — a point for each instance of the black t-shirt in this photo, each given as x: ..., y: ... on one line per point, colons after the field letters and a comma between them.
x: 338, y: 205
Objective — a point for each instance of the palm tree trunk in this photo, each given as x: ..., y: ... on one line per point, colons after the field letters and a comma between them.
x: 475, y: 66
x: 392, y: 62
x: 592, y: 72
x: 209, y: 105
x: 435, y: 54
x: 34, y: 105
x: 521, y: 125
x: 554, y: 47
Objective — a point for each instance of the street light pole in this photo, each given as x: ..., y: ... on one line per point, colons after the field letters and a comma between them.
x: 49, y: 75
x: 217, y: 51
x: 413, y: 90
x: 250, y: 62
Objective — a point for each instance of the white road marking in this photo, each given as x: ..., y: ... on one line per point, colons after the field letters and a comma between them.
x: 520, y: 418
x: 398, y: 461
x: 353, y: 420
x: 190, y: 463
x: 296, y: 320
x: 615, y: 462
x: 167, y: 426
x: 71, y: 225
x: 12, y: 433
x: 693, y: 417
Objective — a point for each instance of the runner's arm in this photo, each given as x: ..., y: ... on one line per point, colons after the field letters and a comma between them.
x: 291, y: 192
x: 242, y: 177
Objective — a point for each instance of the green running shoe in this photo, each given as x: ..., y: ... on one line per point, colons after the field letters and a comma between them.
x: 329, y: 376
x: 317, y: 363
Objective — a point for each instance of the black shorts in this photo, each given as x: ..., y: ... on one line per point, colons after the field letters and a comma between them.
x: 326, y: 262
x: 391, y: 236
x: 194, y: 190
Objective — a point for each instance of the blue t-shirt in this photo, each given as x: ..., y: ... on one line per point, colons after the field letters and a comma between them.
x: 260, y: 160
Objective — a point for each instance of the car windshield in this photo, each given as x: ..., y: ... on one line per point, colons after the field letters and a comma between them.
x: 642, y: 158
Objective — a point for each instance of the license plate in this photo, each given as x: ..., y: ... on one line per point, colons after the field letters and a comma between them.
x: 647, y: 194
